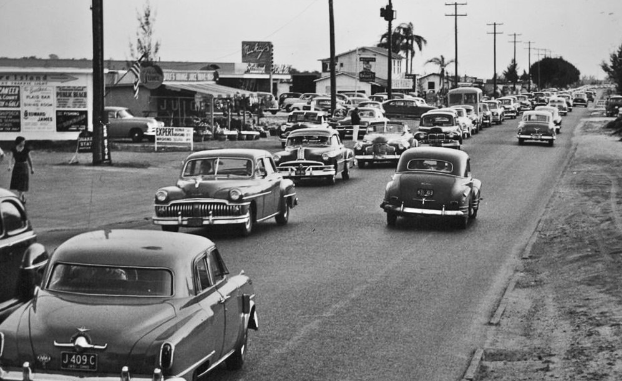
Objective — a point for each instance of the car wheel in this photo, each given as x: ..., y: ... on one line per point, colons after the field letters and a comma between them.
x: 472, y: 212
x: 170, y: 228
x: 136, y: 135
x: 346, y: 172
x: 283, y: 216
x: 521, y: 141
x: 236, y: 360
x: 247, y: 228
x: 391, y: 219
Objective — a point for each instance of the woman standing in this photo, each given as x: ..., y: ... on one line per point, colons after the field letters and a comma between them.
x: 22, y: 168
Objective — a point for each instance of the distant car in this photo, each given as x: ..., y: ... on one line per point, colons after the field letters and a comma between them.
x: 302, y: 119
x: 284, y: 96
x: 590, y: 95
x: 368, y: 115
x: 432, y: 181
x: 291, y: 104
x: 466, y: 123
x: 486, y: 114
x: 476, y: 118
x: 136, y: 304
x: 560, y: 103
x: 538, y: 126
x: 384, y: 141
x: 510, y: 105
x: 315, y: 153
x: 323, y: 104
x: 372, y: 104
x: 568, y: 100
x: 497, y: 111
x: 557, y: 119
x: 378, y: 97
x: 440, y: 128
x: 540, y: 99
x: 21, y: 258
x: 579, y: 99
x: 237, y: 187
x: 122, y: 124
x: 525, y: 102
x: 405, y: 108
x: 613, y: 105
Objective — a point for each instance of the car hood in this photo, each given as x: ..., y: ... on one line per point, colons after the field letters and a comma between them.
x: 211, y: 188
x: 304, y: 153
x: 385, y: 138
x: 116, y: 328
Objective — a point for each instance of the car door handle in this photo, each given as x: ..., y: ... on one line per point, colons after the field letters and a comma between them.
x: 224, y: 299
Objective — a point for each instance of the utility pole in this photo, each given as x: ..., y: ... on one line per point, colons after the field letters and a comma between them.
x: 389, y: 14
x: 494, y: 77
x: 514, y: 60
x: 455, y: 15
x: 333, y: 78
x: 539, y: 50
x: 100, y: 150
x: 529, y: 67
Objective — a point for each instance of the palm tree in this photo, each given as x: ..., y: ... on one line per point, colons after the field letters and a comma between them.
x: 442, y: 64
x: 408, y: 41
x: 403, y: 40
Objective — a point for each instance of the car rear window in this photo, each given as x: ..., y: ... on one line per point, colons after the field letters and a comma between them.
x: 111, y: 280
x: 432, y: 165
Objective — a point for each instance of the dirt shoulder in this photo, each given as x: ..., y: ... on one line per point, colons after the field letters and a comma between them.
x: 564, y: 316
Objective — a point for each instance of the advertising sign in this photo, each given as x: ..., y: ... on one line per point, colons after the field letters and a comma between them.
x: 174, y: 135
x: 151, y: 76
x: 71, y: 97
x: 367, y: 76
x: 257, y: 52
x: 9, y: 121
x: 38, y: 107
x: 71, y: 120
x: 9, y: 96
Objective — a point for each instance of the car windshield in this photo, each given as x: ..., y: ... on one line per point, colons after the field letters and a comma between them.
x: 123, y: 113
x: 430, y: 165
x: 615, y: 101
x: 367, y: 114
x: 485, y: 107
x: 219, y: 167
x: 308, y: 140
x: 437, y: 120
x: 111, y: 280
x: 506, y: 101
x: 540, y: 118
x: 386, y: 128
x: 460, y: 112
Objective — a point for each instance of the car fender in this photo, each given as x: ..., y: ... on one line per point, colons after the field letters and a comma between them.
x: 288, y: 192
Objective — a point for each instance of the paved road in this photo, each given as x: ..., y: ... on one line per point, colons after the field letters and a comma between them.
x: 340, y: 295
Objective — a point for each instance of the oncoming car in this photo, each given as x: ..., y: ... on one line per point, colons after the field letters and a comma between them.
x: 238, y: 187
x: 433, y: 181
x: 384, y: 141
x: 130, y: 304
x: 315, y: 153
x: 440, y: 128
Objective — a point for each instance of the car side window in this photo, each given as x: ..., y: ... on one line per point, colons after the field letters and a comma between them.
x: 266, y: 165
x: 13, y: 218
x: 269, y: 164
x: 201, y: 274
x: 216, y: 266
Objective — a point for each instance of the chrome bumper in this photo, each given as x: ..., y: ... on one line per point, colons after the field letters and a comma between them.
x: 26, y: 374
x: 535, y: 137
x: 377, y: 157
x: 311, y: 171
x: 402, y: 210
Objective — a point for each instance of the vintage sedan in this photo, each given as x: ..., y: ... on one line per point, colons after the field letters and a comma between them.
x: 497, y: 111
x: 368, y: 115
x: 21, y: 257
x: 302, y: 119
x: 432, y: 181
x: 536, y: 125
x: 580, y: 99
x: 560, y: 103
x: 466, y: 123
x: 130, y: 304
x: 557, y: 119
x: 315, y: 153
x: 238, y: 187
x: 510, y: 106
x: 122, y: 124
x: 384, y: 141
x: 405, y: 108
x: 486, y: 114
x: 613, y: 105
x: 440, y: 128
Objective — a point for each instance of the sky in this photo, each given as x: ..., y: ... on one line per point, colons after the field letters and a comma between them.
x: 583, y: 32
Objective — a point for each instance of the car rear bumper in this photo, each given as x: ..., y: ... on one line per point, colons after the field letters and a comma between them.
x: 406, y: 211
x: 535, y: 137
x: 28, y: 374
x: 377, y: 157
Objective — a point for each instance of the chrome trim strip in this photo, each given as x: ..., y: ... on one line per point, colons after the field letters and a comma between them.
x: 429, y: 212
x: 193, y: 366
x: 268, y: 217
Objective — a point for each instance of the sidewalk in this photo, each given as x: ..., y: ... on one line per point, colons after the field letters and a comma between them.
x: 71, y: 196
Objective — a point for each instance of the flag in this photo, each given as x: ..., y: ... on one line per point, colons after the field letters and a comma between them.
x: 135, y: 69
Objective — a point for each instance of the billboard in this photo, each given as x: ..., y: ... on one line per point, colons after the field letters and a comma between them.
x: 257, y: 52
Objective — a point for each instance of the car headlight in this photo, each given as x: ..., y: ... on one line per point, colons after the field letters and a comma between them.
x: 403, y: 145
x: 325, y: 156
x: 357, y: 146
x: 235, y: 194
x: 283, y: 128
x: 161, y: 195
x: 277, y: 157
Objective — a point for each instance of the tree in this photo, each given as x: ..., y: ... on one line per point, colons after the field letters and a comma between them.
x: 524, y: 76
x: 614, y: 69
x: 403, y: 39
x: 442, y: 64
x: 554, y: 72
x: 511, y: 74
x: 53, y: 56
x: 145, y: 44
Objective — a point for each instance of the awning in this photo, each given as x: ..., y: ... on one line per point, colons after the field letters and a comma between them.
x: 208, y: 88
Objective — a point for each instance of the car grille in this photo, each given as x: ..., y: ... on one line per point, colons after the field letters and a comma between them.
x: 436, y: 137
x: 198, y: 209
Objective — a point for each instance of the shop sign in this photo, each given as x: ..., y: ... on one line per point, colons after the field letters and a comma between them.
x: 189, y: 76
x: 151, y: 76
x: 9, y: 96
x: 71, y: 97
x: 38, y: 108
x: 10, y: 121
x: 402, y: 83
x: 367, y: 76
x: 258, y: 52
x: 71, y: 120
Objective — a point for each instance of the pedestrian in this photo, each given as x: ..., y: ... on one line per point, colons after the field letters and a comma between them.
x: 355, y: 118
x: 21, y: 164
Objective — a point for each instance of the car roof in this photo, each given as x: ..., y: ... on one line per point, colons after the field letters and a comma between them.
x: 115, y: 108
x: 537, y: 112
x: 230, y: 152
x: 457, y: 157
x: 313, y: 130
x: 132, y: 248
x: 440, y: 111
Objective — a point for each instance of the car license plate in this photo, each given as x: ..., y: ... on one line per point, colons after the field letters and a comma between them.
x: 78, y: 361
x: 379, y: 156
x: 300, y: 172
x: 425, y: 192
x: 195, y: 221
x: 537, y: 136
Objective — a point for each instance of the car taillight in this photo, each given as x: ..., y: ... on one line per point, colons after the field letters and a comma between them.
x: 166, y: 355
x: 1, y: 343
